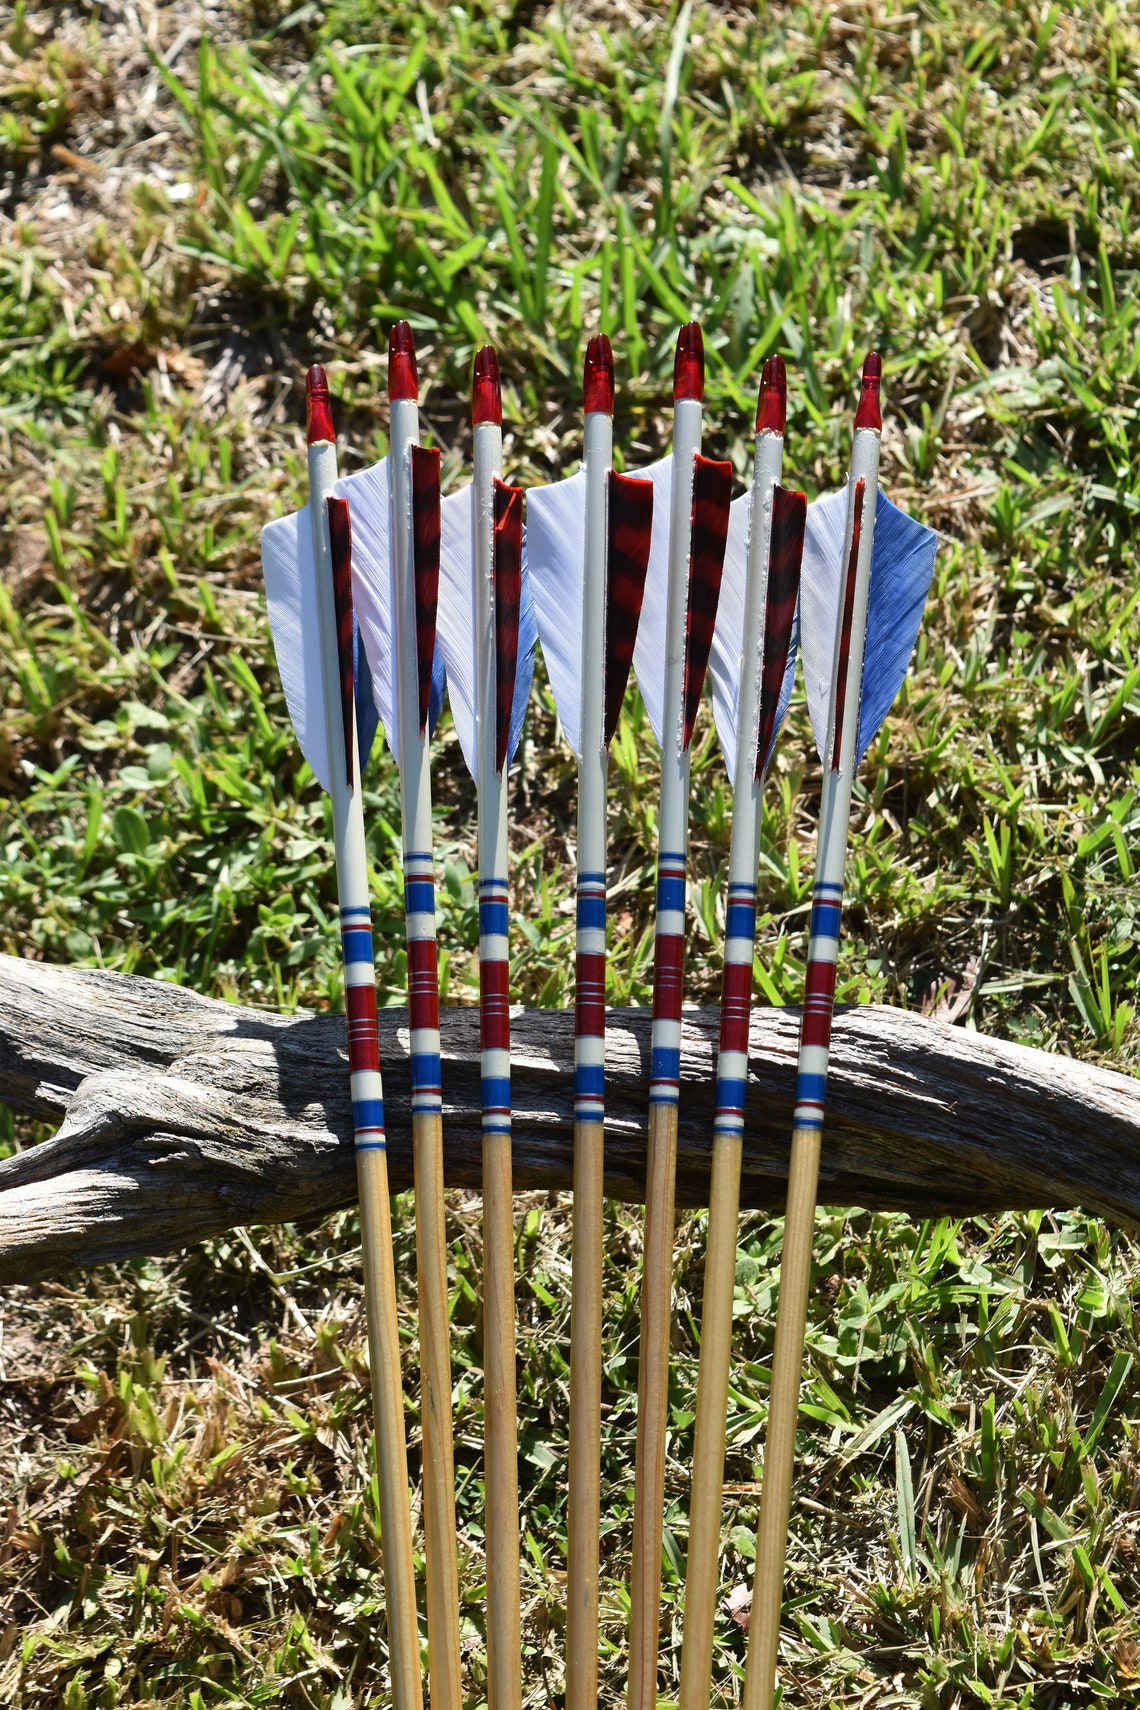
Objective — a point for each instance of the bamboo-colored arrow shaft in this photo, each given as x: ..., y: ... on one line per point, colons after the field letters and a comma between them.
x: 367, y: 1094
x: 706, y: 1498
x: 811, y: 1079
x: 783, y: 1413
x: 440, y: 1535
x: 652, y: 1405
x: 660, y: 1185
x: 442, y: 1568
x: 500, y: 1429
x: 584, y: 1491
x: 585, y: 1420
x: 706, y: 1491
x: 388, y: 1408
x: 500, y: 1423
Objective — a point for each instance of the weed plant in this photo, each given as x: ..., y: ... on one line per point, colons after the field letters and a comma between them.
x: 196, y: 202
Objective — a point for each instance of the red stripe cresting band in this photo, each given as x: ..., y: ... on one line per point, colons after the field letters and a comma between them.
x: 845, y: 631
x: 363, y: 1037
x: 508, y: 596
x: 486, y: 388
x: 630, y: 525
x: 772, y: 404
x: 598, y: 378
x: 318, y: 408
x: 425, y: 563
x: 819, y: 1003
x: 869, y: 413
x: 712, y: 491
x: 403, y: 380
x: 340, y: 542
x: 689, y: 364
x: 785, y: 555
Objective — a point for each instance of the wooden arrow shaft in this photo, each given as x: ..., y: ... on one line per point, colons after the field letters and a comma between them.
x: 583, y: 1554
x: 783, y: 1412
x: 652, y: 1405
x: 440, y: 1535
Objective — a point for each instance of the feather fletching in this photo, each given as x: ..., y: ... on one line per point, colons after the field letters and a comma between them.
x: 369, y: 496
x: 727, y: 653
x: 456, y: 627
x: 555, y: 548
x: 290, y: 572
x: 902, y: 565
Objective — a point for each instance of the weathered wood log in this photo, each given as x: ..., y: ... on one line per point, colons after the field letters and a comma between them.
x: 184, y: 1116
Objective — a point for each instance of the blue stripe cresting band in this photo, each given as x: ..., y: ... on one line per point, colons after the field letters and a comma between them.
x: 496, y: 1092
x: 665, y: 1063
x: 730, y: 1095
x: 419, y: 896
x: 492, y: 919
x: 825, y: 917
x: 811, y: 1089
x: 740, y: 921
x: 425, y: 1071
x: 591, y: 911
x: 368, y: 1113
x: 356, y: 942
x: 589, y: 1081
x: 670, y: 892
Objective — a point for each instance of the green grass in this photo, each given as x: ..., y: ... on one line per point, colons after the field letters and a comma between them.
x: 192, y: 1521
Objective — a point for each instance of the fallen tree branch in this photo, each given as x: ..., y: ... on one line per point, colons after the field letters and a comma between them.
x: 183, y: 1116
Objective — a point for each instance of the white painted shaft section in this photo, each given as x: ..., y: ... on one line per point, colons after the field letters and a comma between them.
x: 380, y: 1293
x: 835, y: 807
x: 415, y: 779
x: 490, y: 786
x: 747, y: 789
x: 594, y: 764
x: 348, y: 818
x: 673, y: 826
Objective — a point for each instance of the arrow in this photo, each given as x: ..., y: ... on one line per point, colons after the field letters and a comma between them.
x: 875, y: 573
x: 487, y: 635
x: 753, y: 667
x: 307, y: 562
x: 588, y: 541
x: 395, y: 512
x: 671, y: 656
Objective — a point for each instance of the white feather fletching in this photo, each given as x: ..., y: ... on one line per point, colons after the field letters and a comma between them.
x: 290, y: 571
x: 555, y: 554
x: 369, y: 496
x: 728, y: 635
x: 649, y: 651
x: 902, y: 565
x: 820, y: 586
x: 727, y: 653
x: 455, y: 622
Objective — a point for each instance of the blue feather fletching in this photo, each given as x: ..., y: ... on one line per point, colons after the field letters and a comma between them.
x: 524, y: 669
x: 438, y: 685
x: 902, y: 565
x: 367, y: 717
